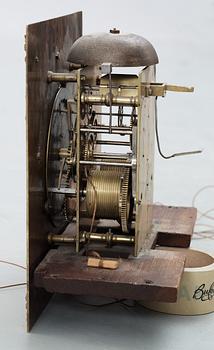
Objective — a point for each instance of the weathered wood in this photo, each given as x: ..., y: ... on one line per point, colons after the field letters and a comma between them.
x: 174, y: 225
x: 47, y: 47
x: 153, y: 276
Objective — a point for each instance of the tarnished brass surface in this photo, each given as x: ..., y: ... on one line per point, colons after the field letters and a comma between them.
x: 108, y: 238
x: 106, y: 100
x: 125, y: 201
x: 122, y: 84
x: 104, y: 186
x: 107, y: 164
x: 108, y: 191
x: 61, y: 77
x: 160, y: 89
x: 110, y: 185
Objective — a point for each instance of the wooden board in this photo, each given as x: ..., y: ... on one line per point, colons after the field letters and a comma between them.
x: 174, y: 225
x: 47, y: 47
x: 154, y: 276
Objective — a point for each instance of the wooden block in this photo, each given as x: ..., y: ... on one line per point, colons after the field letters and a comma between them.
x: 174, y: 225
x: 154, y: 276
x: 103, y: 263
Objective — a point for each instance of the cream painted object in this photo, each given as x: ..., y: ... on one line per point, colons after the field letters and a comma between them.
x: 196, y: 291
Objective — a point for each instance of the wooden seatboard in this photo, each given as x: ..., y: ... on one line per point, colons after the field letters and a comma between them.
x: 174, y: 225
x: 154, y: 276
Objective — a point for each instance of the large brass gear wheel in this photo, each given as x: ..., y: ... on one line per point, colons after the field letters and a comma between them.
x: 125, y: 202
x: 108, y: 190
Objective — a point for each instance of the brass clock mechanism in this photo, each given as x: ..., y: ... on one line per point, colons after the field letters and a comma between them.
x: 100, y: 144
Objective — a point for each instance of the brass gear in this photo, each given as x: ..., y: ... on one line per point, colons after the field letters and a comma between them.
x: 67, y: 185
x: 89, y: 147
x: 125, y: 201
x: 109, y: 189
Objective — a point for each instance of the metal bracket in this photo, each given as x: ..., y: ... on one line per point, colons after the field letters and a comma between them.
x: 160, y: 89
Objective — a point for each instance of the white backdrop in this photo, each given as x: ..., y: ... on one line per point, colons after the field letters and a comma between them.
x: 182, y: 33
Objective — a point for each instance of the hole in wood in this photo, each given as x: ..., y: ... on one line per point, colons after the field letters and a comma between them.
x: 148, y: 281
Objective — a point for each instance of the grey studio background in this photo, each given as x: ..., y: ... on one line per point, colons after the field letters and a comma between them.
x: 183, y: 34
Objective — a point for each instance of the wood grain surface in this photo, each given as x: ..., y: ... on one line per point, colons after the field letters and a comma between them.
x: 153, y: 276
x: 174, y: 225
x: 47, y: 47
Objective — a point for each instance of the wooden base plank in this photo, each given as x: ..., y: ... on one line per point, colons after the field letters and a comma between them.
x: 154, y: 276
x: 174, y: 225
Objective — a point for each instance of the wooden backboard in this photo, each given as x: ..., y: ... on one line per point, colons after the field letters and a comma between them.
x: 47, y: 47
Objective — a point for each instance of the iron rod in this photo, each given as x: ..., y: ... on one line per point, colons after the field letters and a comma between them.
x: 113, y: 143
x: 91, y: 162
x: 106, y: 131
x: 110, y: 155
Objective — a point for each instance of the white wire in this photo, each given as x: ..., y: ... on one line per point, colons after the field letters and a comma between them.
x: 13, y: 284
x: 209, y: 233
